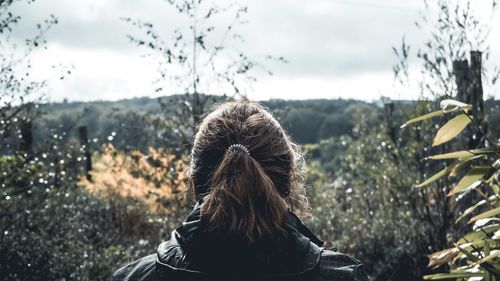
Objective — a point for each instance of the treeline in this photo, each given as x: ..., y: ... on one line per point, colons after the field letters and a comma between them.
x: 307, y: 121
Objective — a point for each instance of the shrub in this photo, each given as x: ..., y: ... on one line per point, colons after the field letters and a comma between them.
x: 67, y: 233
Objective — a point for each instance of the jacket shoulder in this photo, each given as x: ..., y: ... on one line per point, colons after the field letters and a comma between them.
x: 141, y: 270
x: 341, y: 267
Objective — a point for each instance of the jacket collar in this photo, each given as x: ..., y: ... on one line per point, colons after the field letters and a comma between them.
x: 196, y: 251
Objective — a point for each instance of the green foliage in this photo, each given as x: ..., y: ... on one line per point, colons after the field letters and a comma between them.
x: 305, y: 124
x: 311, y: 121
x: 366, y: 196
x: 65, y: 232
x: 476, y: 253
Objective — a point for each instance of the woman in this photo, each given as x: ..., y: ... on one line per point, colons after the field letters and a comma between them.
x: 246, y: 177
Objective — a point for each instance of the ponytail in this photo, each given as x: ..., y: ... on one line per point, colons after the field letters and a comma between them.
x: 242, y: 198
x: 246, y: 171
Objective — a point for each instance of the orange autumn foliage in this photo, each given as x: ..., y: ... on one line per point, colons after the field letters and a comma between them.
x: 157, y: 178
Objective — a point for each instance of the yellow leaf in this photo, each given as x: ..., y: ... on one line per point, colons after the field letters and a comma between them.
x: 450, y: 105
x: 477, y: 237
x: 437, y: 176
x: 462, y: 163
x: 451, y: 129
x: 474, y: 175
x: 448, y: 276
x: 471, y: 209
x: 492, y: 255
x: 423, y: 117
x: 460, y: 154
x: 485, y: 215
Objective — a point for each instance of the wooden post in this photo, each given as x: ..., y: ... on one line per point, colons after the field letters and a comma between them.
x: 26, y: 145
x: 460, y: 70
x: 388, y: 112
x: 470, y: 90
x: 197, y: 110
x: 84, y: 144
x: 476, y: 86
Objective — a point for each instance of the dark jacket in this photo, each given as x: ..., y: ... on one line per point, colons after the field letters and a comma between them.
x: 194, y: 254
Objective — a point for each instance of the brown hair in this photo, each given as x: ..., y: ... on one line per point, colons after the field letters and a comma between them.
x: 248, y: 193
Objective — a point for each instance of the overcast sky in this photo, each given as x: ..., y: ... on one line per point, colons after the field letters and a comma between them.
x: 335, y: 48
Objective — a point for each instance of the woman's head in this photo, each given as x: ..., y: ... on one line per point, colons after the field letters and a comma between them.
x: 247, y: 171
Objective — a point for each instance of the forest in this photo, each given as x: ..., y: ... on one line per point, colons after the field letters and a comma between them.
x: 410, y: 187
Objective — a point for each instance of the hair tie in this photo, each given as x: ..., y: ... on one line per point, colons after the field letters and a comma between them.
x: 238, y: 146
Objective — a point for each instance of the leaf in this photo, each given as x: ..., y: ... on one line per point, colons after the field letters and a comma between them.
x: 451, y: 129
x: 476, y: 238
x: 460, y: 154
x: 439, y: 258
x: 423, y: 117
x: 440, y: 276
x: 481, y: 223
x: 476, y: 174
x: 473, y: 258
x: 437, y: 176
x: 451, y: 155
x: 450, y: 105
x: 495, y: 188
x: 462, y: 164
x: 474, y: 207
x: 494, y: 254
x: 465, y: 252
x: 485, y: 215
x: 486, y: 248
x: 471, y: 241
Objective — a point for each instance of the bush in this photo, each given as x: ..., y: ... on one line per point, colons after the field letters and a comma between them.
x: 67, y: 233
x: 477, y: 170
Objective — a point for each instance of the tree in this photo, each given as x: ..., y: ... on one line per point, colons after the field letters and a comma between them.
x: 453, y: 32
x: 203, y: 58
x: 18, y: 91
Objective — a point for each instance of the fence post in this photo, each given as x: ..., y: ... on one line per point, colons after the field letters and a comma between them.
x: 470, y: 90
x: 26, y: 145
x: 84, y: 147
x: 389, y: 112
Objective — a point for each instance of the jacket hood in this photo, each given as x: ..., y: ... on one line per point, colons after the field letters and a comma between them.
x: 194, y: 252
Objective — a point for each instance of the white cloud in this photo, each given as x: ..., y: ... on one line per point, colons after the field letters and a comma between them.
x: 336, y: 48
x: 98, y: 74
x: 368, y: 86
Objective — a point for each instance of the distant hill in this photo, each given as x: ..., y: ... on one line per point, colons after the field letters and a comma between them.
x: 303, y: 119
x: 127, y: 123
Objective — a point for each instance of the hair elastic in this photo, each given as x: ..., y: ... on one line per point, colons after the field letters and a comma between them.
x: 238, y: 146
